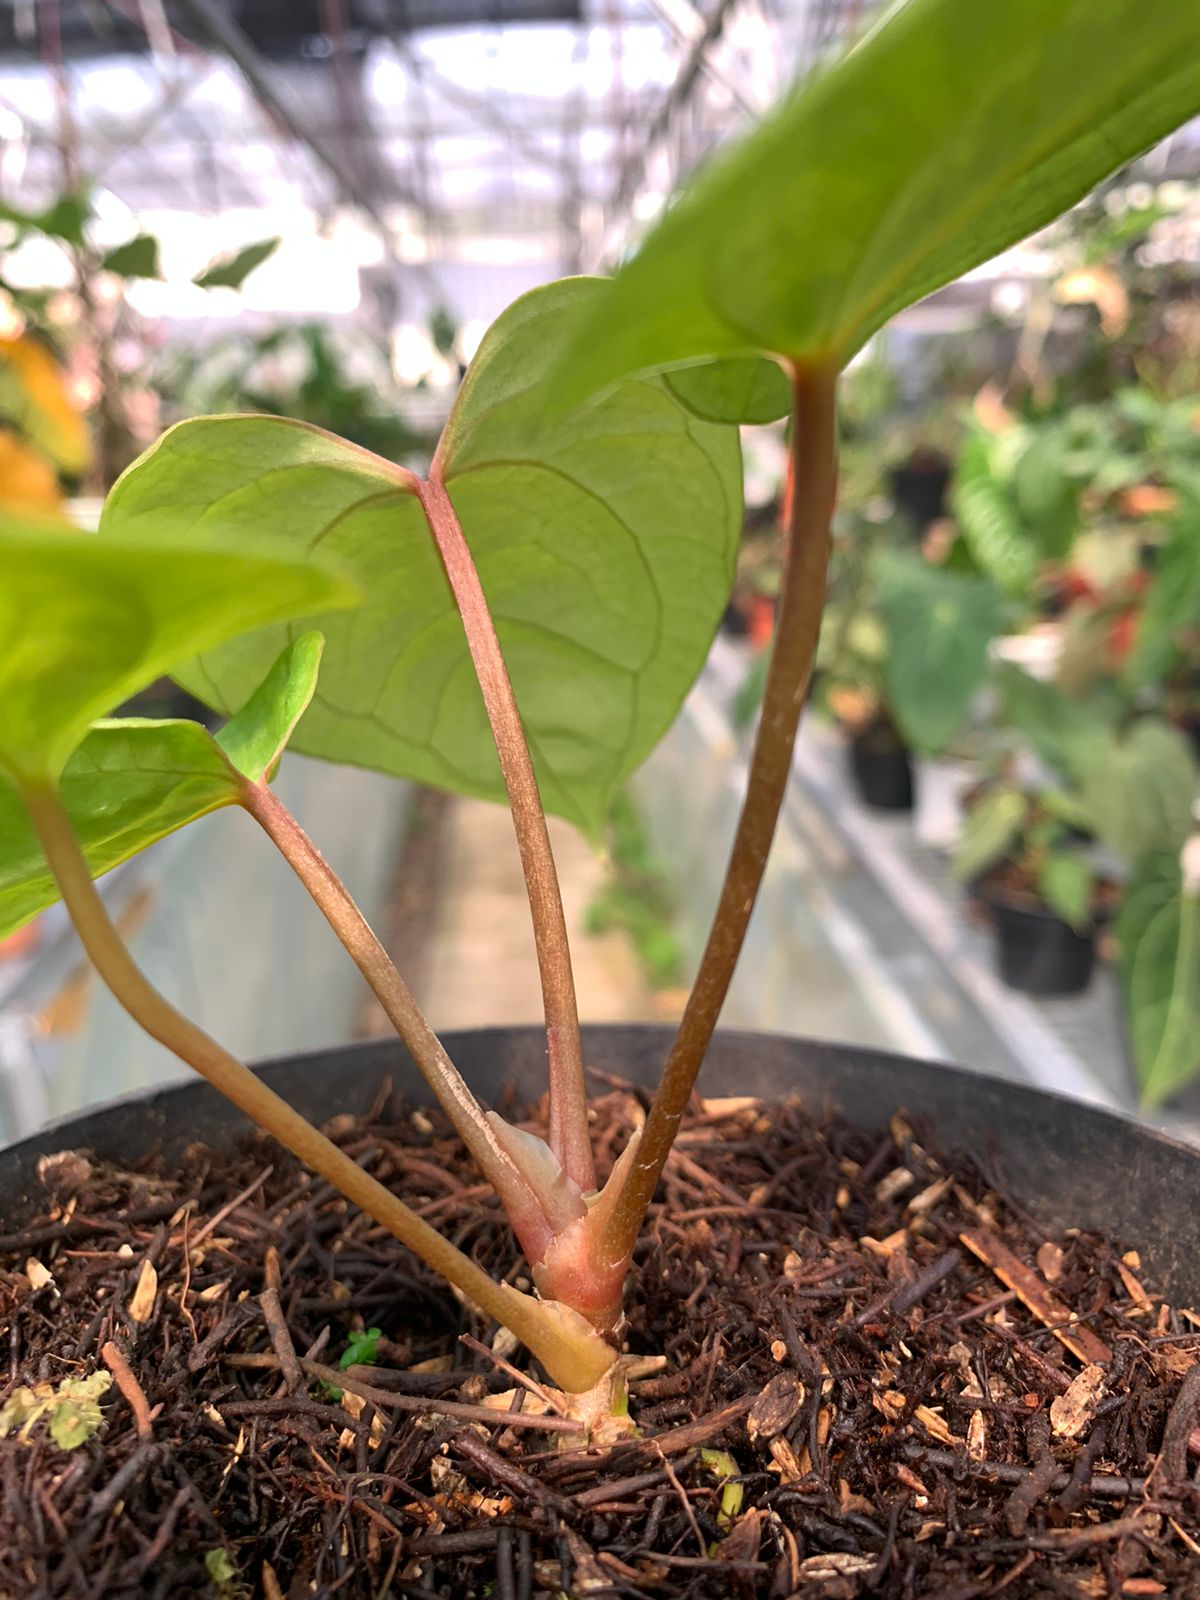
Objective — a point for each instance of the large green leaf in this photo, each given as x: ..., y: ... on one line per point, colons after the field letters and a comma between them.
x: 1158, y: 932
x: 605, y: 541
x: 132, y: 782
x: 1046, y: 495
x: 952, y: 131
x: 128, y: 784
x: 1061, y: 806
x: 1015, y: 501
x: 939, y: 626
x: 86, y: 621
x: 1054, y: 724
x: 1138, y: 788
x: 990, y: 828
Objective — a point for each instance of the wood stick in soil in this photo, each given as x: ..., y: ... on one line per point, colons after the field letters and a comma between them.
x: 1037, y: 1296
x: 281, y: 1339
x: 902, y: 1297
x: 418, y: 1405
x: 1172, y: 1460
x: 1102, y: 1485
x: 497, y: 1470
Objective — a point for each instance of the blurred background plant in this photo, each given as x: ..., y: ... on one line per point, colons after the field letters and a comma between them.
x: 73, y: 365
x: 337, y: 379
x: 1016, y: 584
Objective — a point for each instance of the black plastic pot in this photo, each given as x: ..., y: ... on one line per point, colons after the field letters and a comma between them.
x: 1039, y: 952
x: 919, y: 487
x: 883, y: 773
x: 1056, y: 1157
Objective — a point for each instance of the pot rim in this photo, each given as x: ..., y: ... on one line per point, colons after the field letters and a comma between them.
x: 1056, y: 1156
x: 951, y: 1072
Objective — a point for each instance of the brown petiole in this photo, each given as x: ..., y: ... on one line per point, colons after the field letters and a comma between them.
x: 579, y: 1243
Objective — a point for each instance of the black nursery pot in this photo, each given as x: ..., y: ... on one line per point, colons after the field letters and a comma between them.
x: 1039, y: 952
x: 883, y: 773
x: 1055, y: 1156
x: 919, y: 487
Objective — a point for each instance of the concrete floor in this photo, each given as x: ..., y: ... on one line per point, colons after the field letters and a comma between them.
x: 481, y: 968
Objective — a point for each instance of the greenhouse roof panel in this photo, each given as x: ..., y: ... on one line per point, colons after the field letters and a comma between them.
x: 278, y: 28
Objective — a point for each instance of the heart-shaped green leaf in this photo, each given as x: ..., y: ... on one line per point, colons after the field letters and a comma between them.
x: 1158, y: 932
x: 86, y: 621
x: 1138, y: 788
x: 604, y: 539
x: 132, y: 781
x: 1053, y: 723
x: 939, y: 626
x: 952, y: 131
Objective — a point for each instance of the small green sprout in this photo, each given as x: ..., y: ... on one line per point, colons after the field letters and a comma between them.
x: 726, y: 1471
x: 71, y: 1411
x: 361, y: 1349
x: 223, y: 1573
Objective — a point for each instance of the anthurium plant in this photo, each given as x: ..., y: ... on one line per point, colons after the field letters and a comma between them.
x: 525, y: 619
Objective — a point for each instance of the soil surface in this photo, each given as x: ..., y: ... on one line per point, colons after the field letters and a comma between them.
x: 876, y: 1376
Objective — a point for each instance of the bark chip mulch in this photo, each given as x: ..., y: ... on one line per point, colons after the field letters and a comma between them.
x: 868, y: 1373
